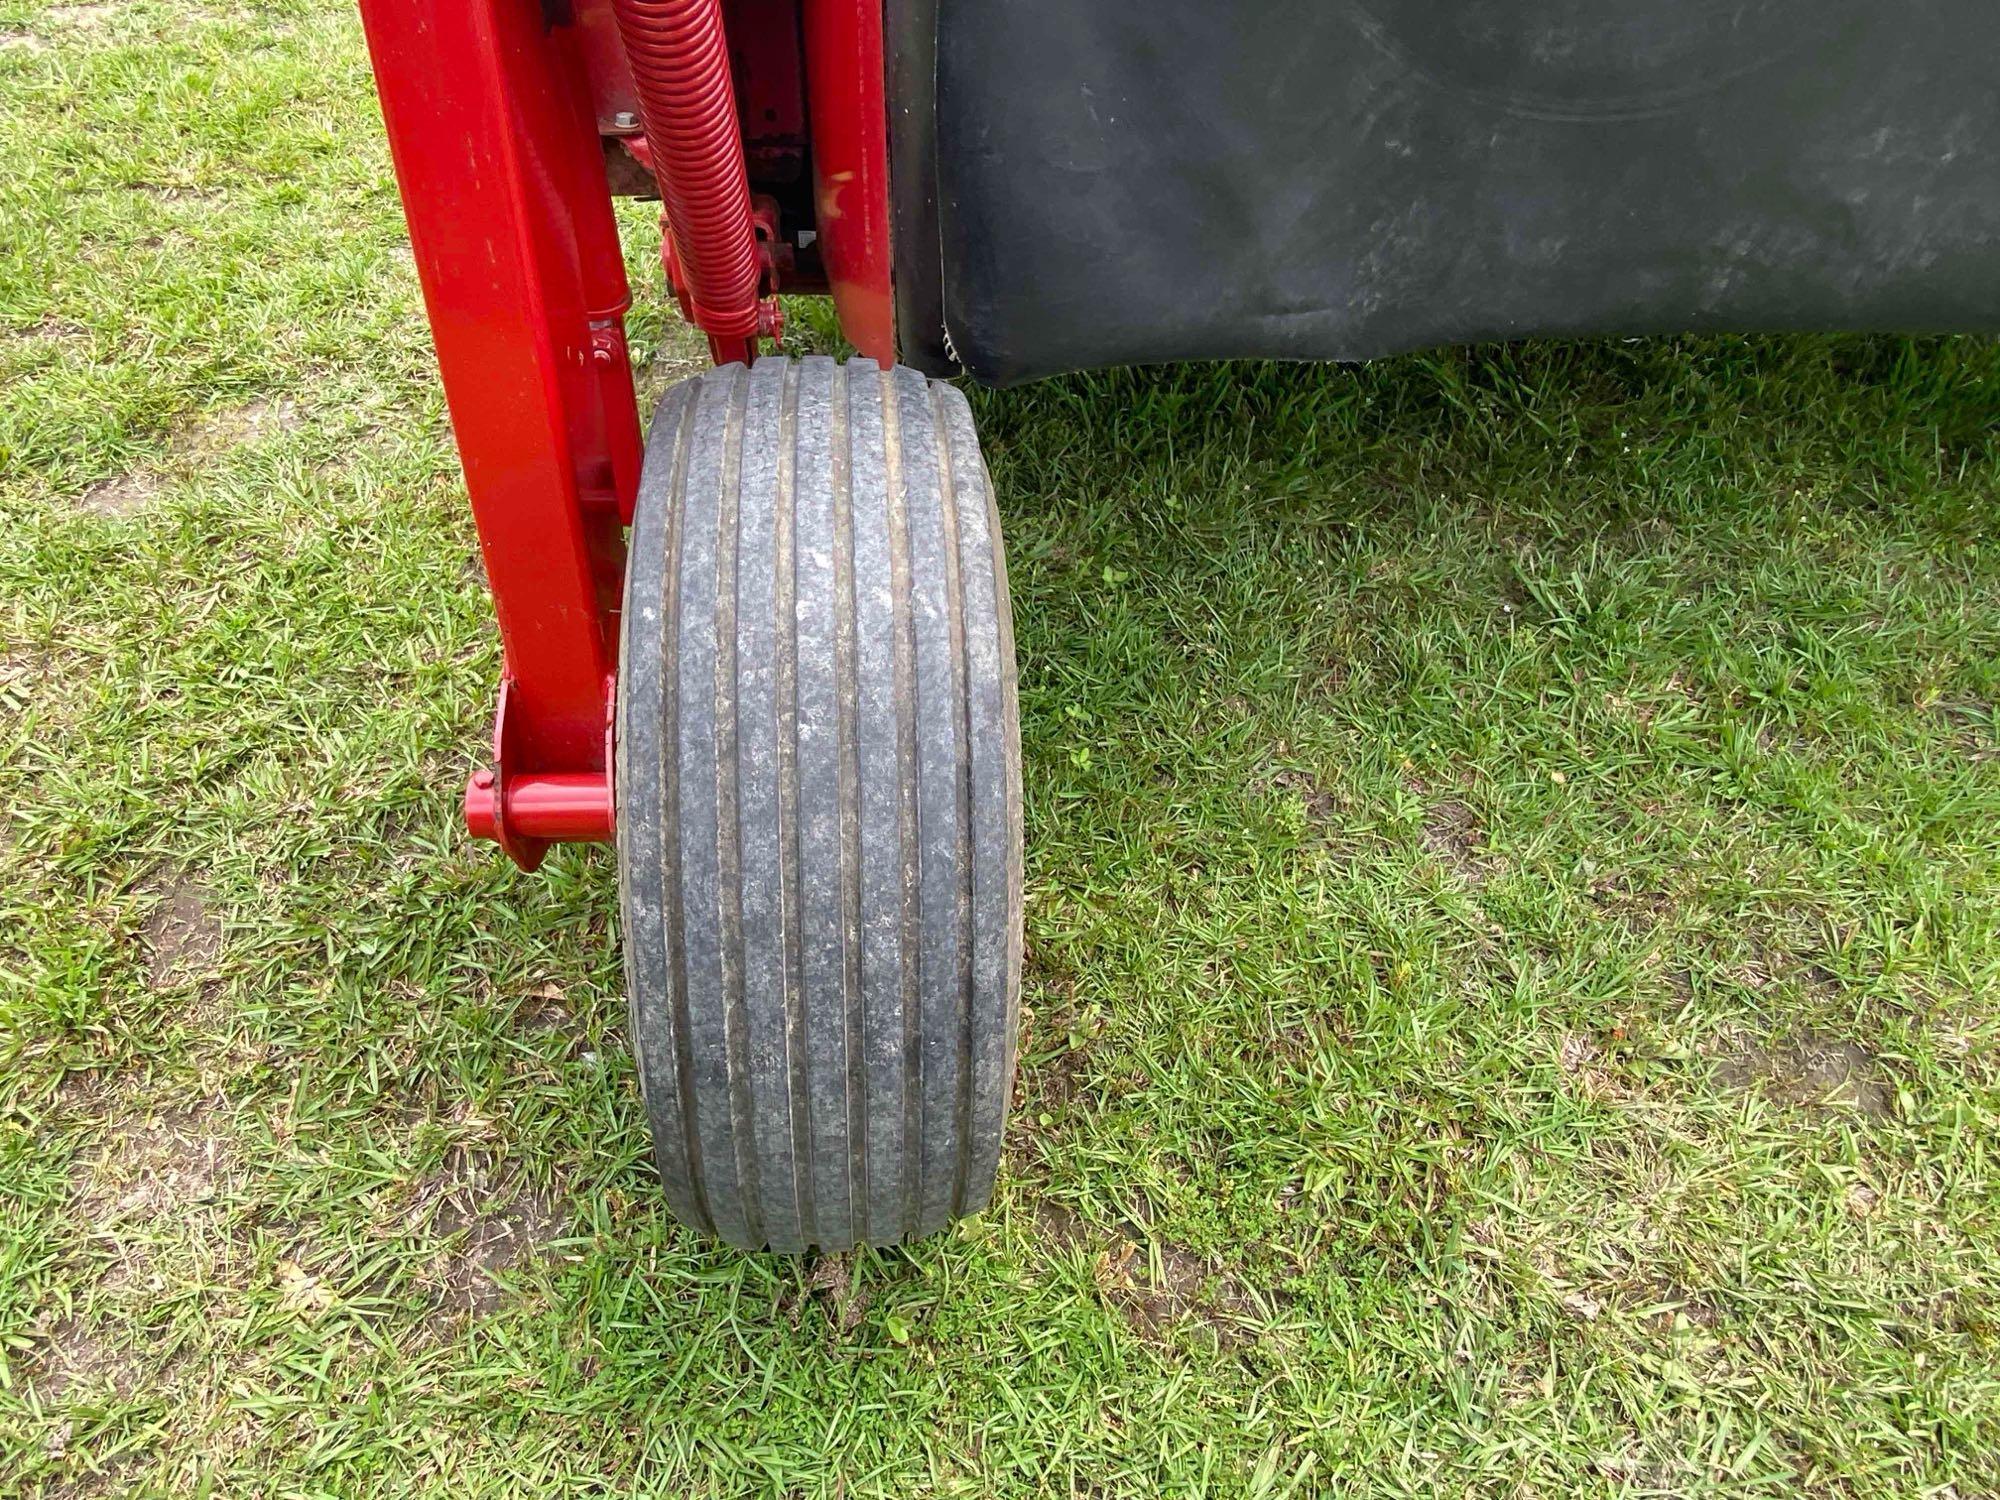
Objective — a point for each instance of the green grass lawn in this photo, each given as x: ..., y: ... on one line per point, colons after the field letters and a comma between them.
x: 1513, y: 842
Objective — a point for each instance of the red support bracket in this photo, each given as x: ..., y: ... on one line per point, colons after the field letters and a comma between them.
x: 497, y: 152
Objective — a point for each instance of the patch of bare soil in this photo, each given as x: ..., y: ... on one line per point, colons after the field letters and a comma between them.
x: 1054, y: 1039
x: 166, y: 1164
x: 1575, y: 1052
x: 1617, y: 894
x: 83, y: 17
x: 831, y: 1280
x: 1156, y: 1284
x: 1809, y: 1072
x: 1045, y: 977
x: 546, y: 1008
x: 208, y: 436
x: 1665, y: 1302
x: 500, y: 1224
x: 1046, y: 1087
x: 122, y: 495
x: 249, y: 423
x: 51, y: 329
x: 148, y: 1173
x: 24, y: 672
x: 74, y: 1358
x: 183, y: 937
x: 1320, y: 803
x: 84, y: 1093
x: 176, y: 192
x: 1456, y: 839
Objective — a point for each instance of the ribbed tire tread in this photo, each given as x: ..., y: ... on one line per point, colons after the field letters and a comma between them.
x: 819, y: 806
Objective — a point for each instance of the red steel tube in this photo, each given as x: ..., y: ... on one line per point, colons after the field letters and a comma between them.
x: 680, y: 64
x: 850, y: 159
x: 556, y: 807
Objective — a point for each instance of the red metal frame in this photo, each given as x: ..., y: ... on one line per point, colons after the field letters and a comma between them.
x: 850, y: 142
x: 497, y: 114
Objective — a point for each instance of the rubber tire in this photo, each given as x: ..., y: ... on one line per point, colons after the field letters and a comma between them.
x: 818, y: 788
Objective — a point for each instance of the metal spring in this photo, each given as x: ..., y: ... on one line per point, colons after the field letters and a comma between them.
x: 680, y: 63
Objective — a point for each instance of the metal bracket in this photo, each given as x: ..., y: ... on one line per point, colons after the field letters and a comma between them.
x: 523, y: 811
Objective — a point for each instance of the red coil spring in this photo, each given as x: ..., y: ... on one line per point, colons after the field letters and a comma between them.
x: 680, y: 63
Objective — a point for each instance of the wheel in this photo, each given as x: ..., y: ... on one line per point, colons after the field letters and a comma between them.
x: 818, y: 789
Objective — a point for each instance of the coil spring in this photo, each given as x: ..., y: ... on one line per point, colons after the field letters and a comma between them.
x: 680, y: 63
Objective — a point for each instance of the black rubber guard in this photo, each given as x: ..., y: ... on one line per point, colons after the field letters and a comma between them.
x: 1094, y: 182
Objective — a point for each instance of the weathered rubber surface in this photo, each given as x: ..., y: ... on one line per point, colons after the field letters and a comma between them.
x: 819, y: 805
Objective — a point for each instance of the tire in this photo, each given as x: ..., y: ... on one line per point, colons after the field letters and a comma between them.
x: 818, y: 788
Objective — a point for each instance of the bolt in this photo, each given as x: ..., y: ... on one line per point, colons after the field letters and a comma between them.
x: 624, y: 120
x: 483, y: 780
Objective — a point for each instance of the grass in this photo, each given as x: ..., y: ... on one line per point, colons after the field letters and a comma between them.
x: 1513, y: 844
